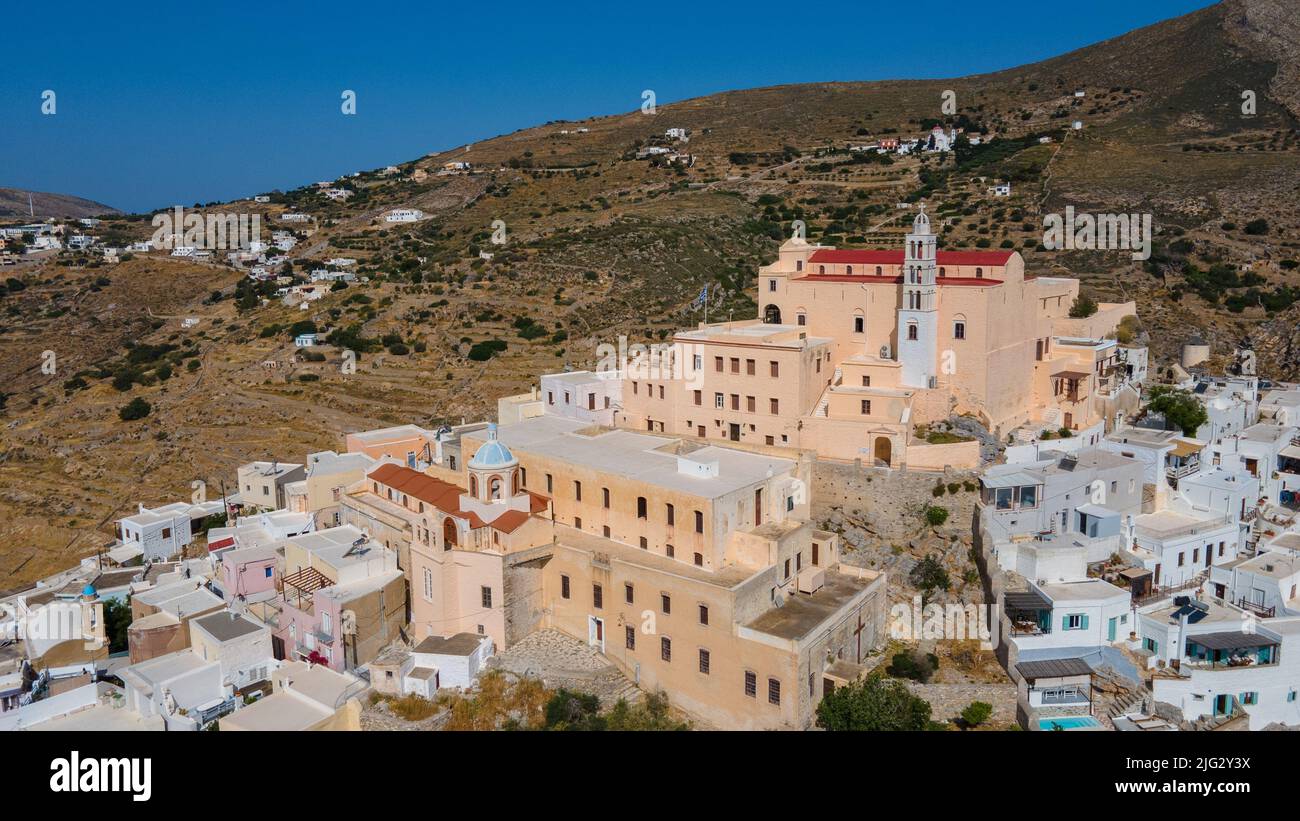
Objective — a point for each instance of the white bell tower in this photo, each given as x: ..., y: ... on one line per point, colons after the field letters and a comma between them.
x: 918, y: 317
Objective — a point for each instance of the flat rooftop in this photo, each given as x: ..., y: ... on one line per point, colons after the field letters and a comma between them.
x: 389, y: 434
x: 228, y: 626
x: 643, y: 457
x: 1144, y: 437
x: 334, y: 545
x: 285, y: 710
x: 461, y: 644
x: 1084, y: 590
x: 725, y: 577
x: 749, y: 333
x: 802, y: 612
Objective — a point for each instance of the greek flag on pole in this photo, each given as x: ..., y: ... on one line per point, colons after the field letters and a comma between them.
x: 702, y: 299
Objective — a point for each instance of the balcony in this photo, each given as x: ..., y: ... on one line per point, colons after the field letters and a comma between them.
x: 211, y: 712
x: 1258, y: 609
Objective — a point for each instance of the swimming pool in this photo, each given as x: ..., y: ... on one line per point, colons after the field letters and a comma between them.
x: 1068, y: 723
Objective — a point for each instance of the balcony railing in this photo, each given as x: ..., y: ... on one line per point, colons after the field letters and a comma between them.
x: 1257, y: 609
x: 1069, y: 697
x: 214, y: 712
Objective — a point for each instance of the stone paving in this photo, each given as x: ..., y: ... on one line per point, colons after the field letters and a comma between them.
x: 562, y: 661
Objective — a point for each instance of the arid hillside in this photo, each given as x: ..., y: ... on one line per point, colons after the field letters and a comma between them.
x: 602, y: 238
x: 22, y: 204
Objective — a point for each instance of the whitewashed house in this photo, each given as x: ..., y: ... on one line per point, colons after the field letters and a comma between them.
x: 583, y: 395
x: 404, y: 215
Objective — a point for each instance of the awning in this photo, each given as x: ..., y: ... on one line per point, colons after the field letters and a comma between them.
x: 1053, y: 668
x: 1016, y: 479
x: 126, y: 552
x: 1291, y: 452
x: 1076, y: 375
x: 1231, y: 640
x: 1027, y: 600
x: 1185, y: 448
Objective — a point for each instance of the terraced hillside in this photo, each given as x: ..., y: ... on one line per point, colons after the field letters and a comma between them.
x: 599, y: 243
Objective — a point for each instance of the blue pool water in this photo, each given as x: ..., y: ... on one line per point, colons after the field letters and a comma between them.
x: 1067, y: 723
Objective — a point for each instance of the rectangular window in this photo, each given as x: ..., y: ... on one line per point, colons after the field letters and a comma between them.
x: 699, y: 522
x: 605, y: 497
x: 717, y: 364
x: 866, y: 407
x: 671, y: 514
x: 751, y: 684
x: 699, y: 397
x: 577, y: 491
x: 666, y: 648
x: 857, y: 324
x: 550, y: 485
x: 751, y: 404
x: 564, y: 587
x: 735, y: 401
x: 597, y: 596
x: 704, y: 615
x: 718, y: 400
x: 775, y: 368
x: 750, y: 367
x: 627, y: 593
x: 704, y: 661
x: 735, y: 364
x: 665, y: 603
x: 641, y: 507
x: 774, y: 691
x: 775, y: 406
x: 959, y: 330
x: 486, y: 597
x: 629, y: 640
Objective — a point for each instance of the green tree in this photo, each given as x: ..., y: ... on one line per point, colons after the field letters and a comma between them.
x: 1180, y: 408
x: 935, y: 515
x: 117, y: 618
x: 1083, y: 307
x: 928, y: 575
x: 137, y: 408
x: 976, y: 713
x: 877, y: 703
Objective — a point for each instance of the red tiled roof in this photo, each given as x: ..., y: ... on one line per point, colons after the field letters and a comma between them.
x: 442, y: 495
x: 852, y: 256
x: 509, y: 521
x: 537, y: 502
x: 884, y: 280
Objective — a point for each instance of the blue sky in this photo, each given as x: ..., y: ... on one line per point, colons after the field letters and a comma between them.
x: 179, y: 103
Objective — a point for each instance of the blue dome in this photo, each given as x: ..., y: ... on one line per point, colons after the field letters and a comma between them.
x: 492, y: 454
x: 89, y: 591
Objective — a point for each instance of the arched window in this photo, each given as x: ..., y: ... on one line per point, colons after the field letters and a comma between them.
x: 911, y: 331
x: 878, y: 270
x: 473, y: 486
x: 943, y: 272
x: 979, y: 273
x: 495, y: 487
x: 848, y: 269
x: 821, y: 269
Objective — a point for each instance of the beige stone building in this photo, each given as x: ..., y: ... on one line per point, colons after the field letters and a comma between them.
x: 692, y: 567
x: 853, y: 349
